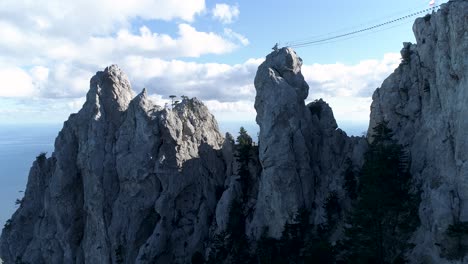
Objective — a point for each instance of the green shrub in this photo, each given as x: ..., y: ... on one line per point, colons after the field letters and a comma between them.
x: 41, y: 158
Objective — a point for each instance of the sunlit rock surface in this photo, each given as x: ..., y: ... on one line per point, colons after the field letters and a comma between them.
x: 425, y: 102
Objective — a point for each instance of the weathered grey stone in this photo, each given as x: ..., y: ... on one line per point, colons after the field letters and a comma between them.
x: 128, y: 181
x: 425, y: 103
x: 131, y: 182
x: 302, y: 154
x: 286, y: 182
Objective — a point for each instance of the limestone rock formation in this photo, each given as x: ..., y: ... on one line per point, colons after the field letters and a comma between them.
x: 128, y: 182
x: 302, y: 153
x: 132, y: 182
x: 425, y: 102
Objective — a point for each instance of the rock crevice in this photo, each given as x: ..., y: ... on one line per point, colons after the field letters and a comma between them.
x: 132, y: 182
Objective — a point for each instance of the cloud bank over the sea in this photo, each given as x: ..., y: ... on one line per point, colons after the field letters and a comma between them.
x: 48, y: 55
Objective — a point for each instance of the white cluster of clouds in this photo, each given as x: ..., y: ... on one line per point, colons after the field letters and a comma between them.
x: 80, y: 19
x: 51, y: 48
x: 231, y: 83
x: 348, y: 88
x: 229, y: 92
x: 343, y: 80
x: 16, y: 83
x: 95, y: 32
x: 226, y: 13
x: 206, y: 81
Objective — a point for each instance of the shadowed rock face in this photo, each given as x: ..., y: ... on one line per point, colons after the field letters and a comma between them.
x: 425, y: 102
x: 128, y: 180
x: 131, y: 182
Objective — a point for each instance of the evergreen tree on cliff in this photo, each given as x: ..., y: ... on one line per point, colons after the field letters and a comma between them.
x: 232, y: 245
x: 243, y: 156
x: 385, y: 213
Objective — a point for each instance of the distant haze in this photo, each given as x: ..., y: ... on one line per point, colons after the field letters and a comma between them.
x: 19, y: 146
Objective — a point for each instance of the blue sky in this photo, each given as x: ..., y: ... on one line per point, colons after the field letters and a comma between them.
x: 209, y: 49
x: 267, y: 22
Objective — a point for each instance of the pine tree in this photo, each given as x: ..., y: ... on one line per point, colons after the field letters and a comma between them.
x: 232, y: 246
x: 243, y: 156
x: 386, y: 211
x: 244, y: 139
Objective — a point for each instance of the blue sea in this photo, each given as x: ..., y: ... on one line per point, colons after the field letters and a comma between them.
x: 20, y: 144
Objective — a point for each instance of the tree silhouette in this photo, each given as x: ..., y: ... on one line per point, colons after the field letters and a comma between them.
x: 243, y: 156
x: 386, y: 211
x: 172, y: 99
x: 299, y: 243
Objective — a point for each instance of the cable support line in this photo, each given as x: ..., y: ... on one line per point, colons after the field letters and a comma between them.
x: 307, y: 43
x: 350, y: 37
x: 352, y: 28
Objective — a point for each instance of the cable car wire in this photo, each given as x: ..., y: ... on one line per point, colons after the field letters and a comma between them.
x: 312, y: 42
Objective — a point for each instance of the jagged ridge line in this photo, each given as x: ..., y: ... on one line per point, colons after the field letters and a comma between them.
x: 307, y: 43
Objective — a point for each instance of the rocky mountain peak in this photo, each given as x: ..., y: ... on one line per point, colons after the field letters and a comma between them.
x: 128, y: 181
x: 324, y: 113
x: 133, y: 182
x: 144, y: 102
x: 300, y: 150
x: 284, y: 66
x: 110, y: 94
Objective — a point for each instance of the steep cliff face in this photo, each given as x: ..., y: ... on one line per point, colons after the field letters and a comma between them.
x: 425, y: 103
x: 129, y: 182
x: 302, y: 153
